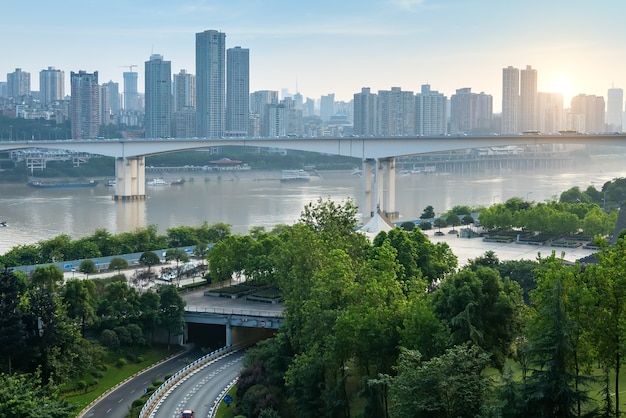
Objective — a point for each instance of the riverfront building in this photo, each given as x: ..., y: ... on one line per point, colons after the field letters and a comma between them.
x: 365, y: 113
x: 51, y: 86
x: 614, y: 110
x: 510, y: 100
x: 132, y: 99
x: 109, y: 103
x: 18, y: 83
x: 528, y: 99
x: 430, y: 112
x: 210, y: 83
x: 237, y: 91
x: 85, y: 105
x: 158, y: 96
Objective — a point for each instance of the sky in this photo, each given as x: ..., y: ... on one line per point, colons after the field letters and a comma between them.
x: 322, y: 47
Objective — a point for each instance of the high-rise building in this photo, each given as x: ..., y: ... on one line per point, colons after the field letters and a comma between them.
x: 259, y: 101
x: 237, y: 91
x: 365, y: 113
x: 396, y: 112
x: 591, y: 109
x: 210, y: 83
x: 85, y: 105
x: 550, y: 114
x: 430, y: 112
x: 528, y: 99
x: 109, y: 103
x: 184, y: 115
x: 614, y: 110
x: 327, y: 107
x: 18, y: 83
x: 470, y: 112
x: 51, y: 85
x: 132, y: 100
x: 158, y: 96
x: 184, y: 91
x: 510, y: 100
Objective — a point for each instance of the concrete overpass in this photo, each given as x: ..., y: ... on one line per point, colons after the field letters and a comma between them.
x: 377, y: 154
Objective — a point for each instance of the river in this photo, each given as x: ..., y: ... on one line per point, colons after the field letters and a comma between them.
x: 258, y: 198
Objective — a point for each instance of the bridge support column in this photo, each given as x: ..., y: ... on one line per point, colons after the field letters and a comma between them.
x: 387, y: 185
x: 229, y: 338
x: 369, y: 198
x: 130, y: 174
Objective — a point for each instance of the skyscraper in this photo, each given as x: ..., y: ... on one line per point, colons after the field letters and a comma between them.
x: 259, y: 101
x: 109, y: 102
x: 430, y: 112
x: 18, y: 83
x: 85, y: 105
x: 528, y: 99
x: 365, y: 113
x: 184, y: 115
x: 327, y: 107
x: 158, y: 94
x: 591, y: 109
x: 614, y: 109
x: 131, y: 96
x: 237, y: 91
x: 510, y: 100
x: 210, y: 83
x: 51, y: 85
x: 396, y: 112
x: 470, y: 112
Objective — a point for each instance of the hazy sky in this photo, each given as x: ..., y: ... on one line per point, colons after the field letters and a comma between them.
x: 340, y: 46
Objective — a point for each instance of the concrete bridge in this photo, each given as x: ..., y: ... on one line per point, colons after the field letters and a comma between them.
x: 377, y: 154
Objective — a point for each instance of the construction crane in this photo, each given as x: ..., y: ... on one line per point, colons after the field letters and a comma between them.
x: 129, y: 66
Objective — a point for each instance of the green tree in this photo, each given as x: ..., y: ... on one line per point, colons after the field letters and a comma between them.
x: 172, y: 308
x: 80, y: 300
x: 88, y: 267
x: 453, y: 220
x: 449, y: 386
x: 428, y: 213
x: 440, y: 223
x: 118, y: 263
x: 149, y: 259
x: 12, y: 327
x: 24, y: 395
x: 149, y: 305
x: 178, y: 255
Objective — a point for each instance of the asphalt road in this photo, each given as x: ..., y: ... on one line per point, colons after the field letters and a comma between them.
x: 117, y: 403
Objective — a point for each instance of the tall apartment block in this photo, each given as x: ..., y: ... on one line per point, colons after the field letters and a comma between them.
x: 237, y: 91
x: 510, y: 100
x: 590, y: 110
x: 18, y: 83
x: 132, y: 100
x: 396, y: 112
x: 550, y: 113
x: 614, y: 110
x: 470, y: 112
x: 85, y: 104
x: 210, y: 83
x: 327, y: 107
x: 528, y: 99
x: 430, y: 112
x: 51, y: 85
x: 365, y: 113
x: 109, y: 103
x: 259, y: 102
x: 158, y: 96
x: 184, y: 115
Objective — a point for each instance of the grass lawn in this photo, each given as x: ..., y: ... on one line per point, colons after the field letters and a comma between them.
x: 114, y: 375
x: 224, y: 411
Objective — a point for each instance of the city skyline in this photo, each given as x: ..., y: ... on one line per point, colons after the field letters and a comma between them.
x: 322, y: 47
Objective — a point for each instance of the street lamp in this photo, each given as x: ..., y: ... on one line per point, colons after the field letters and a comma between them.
x: 528, y: 194
x: 494, y: 198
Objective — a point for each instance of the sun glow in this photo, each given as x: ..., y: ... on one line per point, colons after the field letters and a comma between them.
x: 562, y: 84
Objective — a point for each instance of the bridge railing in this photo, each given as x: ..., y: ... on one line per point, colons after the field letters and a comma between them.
x: 233, y: 311
x: 158, y: 394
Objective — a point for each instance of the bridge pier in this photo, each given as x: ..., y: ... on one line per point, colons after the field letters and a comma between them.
x: 130, y: 175
x: 379, y: 187
x: 229, y: 337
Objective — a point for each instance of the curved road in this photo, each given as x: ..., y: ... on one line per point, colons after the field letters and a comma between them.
x: 117, y: 403
x: 199, y: 390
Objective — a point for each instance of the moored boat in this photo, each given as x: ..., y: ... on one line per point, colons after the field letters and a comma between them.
x: 59, y: 185
x: 295, y: 176
x: 157, y: 182
x: 178, y: 182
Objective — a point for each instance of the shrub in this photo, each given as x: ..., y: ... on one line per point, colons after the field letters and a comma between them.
x: 121, y: 362
x: 139, y: 359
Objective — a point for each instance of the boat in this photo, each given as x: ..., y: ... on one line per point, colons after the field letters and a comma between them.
x: 295, y: 176
x: 178, y: 182
x: 157, y: 182
x: 60, y: 185
x: 111, y: 183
